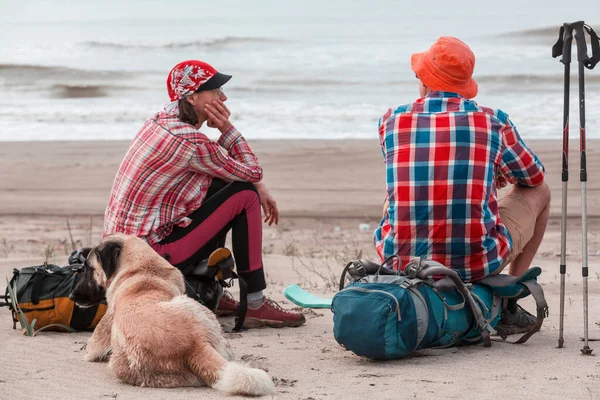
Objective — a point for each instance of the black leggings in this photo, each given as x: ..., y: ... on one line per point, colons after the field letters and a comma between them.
x: 231, y: 206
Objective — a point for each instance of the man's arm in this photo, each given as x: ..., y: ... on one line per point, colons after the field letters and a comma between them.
x: 519, y: 165
x: 381, y: 128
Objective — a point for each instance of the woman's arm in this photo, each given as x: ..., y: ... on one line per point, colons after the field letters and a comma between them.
x: 230, y: 158
x: 212, y: 159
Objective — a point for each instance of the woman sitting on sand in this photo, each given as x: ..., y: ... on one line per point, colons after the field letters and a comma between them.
x: 182, y: 192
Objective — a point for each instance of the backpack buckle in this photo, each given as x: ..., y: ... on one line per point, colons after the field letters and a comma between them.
x: 360, y: 269
x: 413, y: 267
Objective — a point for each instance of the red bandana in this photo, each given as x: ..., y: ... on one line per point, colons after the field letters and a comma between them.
x: 186, y: 77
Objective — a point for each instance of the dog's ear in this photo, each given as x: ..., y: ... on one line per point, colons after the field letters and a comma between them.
x: 109, y: 257
x: 85, y: 251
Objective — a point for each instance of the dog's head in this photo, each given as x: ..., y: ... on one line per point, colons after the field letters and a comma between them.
x: 100, y: 265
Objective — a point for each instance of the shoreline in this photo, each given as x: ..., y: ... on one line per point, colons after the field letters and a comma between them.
x: 308, y: 178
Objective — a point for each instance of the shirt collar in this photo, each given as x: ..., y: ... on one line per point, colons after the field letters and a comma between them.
x: 440, y: 94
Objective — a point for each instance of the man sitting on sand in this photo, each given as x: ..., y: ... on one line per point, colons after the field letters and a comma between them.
x: 182, y: 192
x: 445, y: 157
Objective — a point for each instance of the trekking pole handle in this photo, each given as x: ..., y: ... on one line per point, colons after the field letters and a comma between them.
x: 567, y: 30
x: 582, y: 55
x: 565, y: 40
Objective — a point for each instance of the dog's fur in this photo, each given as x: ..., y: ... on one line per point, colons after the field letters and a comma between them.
x: 153, y: 334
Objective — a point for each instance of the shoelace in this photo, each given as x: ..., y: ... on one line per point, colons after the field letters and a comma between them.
x: 276, y: 306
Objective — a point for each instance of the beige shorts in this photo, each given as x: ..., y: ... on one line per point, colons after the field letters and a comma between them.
x: 519, y: 218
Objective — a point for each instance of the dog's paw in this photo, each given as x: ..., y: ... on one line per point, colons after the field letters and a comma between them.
x: 97, y: 356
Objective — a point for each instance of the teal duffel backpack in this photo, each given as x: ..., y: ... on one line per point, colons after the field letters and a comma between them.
x: 384, y: 314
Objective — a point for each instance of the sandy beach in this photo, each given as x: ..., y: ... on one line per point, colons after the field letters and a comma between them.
x: 325, y: 191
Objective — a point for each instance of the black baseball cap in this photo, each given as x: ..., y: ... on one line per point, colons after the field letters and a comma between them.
x: 215, y: 82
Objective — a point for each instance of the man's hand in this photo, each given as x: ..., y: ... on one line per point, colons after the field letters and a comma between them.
x: 268, y: 203
x: 386, y: 205
x: 218, y: 115
x: 501, y: 182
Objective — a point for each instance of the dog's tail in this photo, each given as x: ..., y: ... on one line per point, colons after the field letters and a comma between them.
x: 230, y: 377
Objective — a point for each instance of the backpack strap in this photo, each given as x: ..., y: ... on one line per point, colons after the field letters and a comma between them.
x: 591, y: 62
x: 508, y: 286
x: 434, y: 268
x: 358, y: 269
x: 542, y: 310
x: 222, y: 262
x: 7, y: 300
x: 37, y: 279
x: 243, y: 307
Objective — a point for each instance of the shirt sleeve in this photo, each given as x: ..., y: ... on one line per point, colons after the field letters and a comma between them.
x: 381, y: 128
x: 230, y: 158
x: 518, y: 163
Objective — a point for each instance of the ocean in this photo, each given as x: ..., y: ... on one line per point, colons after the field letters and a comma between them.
x: 328, y: 69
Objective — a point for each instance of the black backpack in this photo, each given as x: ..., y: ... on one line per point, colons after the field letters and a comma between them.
x: 205, y: 282
x: 38, y: 298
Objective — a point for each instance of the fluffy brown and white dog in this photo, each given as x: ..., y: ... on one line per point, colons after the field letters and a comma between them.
x: 152, y: 332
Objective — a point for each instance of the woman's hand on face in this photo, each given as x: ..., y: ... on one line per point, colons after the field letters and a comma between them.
x: 218, y: 115
x: 268, y: 203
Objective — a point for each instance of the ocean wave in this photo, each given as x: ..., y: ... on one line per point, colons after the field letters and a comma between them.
x: 6, y: 69
x: 66, y: 83
x: 550, y: 32
x: 74, y: 91
x: 306, y: 82
x: 313, y: 82
x: 208, y: 43
x: 530, y: 79
x: 30, y: 72
x: 514, y: 81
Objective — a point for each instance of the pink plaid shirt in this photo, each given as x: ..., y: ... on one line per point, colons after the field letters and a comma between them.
x: 166, y: 173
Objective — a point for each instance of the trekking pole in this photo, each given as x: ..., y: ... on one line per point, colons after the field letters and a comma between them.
x: 564, y: 46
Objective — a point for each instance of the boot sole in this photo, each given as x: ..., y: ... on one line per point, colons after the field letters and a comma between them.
x: 253, y: 323
x: 512, y: 329
x: 223, y: 313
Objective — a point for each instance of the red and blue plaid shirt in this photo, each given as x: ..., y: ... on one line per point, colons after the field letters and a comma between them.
x: 166, y: 173
x: 443, y: 156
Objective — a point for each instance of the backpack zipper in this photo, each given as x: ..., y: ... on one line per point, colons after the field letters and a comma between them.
x: 378, y: 291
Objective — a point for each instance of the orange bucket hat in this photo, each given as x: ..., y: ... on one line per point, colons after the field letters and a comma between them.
x: 447, y: 66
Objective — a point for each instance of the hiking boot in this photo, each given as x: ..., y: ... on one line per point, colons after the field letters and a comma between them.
x: 514, y: 319
x: 272, y: 315
x: 227, y: 306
